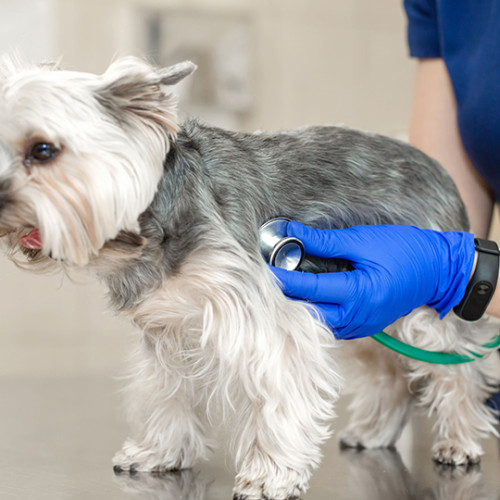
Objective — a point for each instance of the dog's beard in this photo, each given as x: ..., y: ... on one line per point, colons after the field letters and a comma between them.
x: 70, y: 209
x: 111, y: 132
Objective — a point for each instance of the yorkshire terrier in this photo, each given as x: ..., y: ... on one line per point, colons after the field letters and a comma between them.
x: 97, y: 172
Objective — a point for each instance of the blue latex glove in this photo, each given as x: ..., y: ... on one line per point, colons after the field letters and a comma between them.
x: 396, y: 269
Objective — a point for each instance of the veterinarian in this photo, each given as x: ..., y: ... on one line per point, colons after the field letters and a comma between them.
x: 456, y: 119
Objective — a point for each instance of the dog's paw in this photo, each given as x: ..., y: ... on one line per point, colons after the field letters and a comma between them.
x: 138, y: 458
x: 284, y: 485
x: 451, y: 452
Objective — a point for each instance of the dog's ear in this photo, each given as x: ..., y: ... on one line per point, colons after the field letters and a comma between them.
x: 132, y: 89
x: 174, y: 74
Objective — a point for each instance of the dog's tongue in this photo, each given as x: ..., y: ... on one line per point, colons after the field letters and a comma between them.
x: 33, y: 240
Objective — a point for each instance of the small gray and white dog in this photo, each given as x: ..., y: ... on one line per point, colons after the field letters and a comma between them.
x: 96, y: 172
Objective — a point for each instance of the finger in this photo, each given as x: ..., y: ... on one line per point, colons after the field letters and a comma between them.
x: 326, y: 243
x: 333, y: 316
x: 333, y: 288
x: 329, y: 314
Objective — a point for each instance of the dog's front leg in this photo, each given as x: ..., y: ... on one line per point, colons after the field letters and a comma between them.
x: 290, y: 384
x: 161, y: 403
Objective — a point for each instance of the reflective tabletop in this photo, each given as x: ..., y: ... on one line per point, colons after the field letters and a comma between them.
x: 57, y: 438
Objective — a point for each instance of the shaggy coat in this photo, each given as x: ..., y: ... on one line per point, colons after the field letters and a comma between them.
x: 96, y: 173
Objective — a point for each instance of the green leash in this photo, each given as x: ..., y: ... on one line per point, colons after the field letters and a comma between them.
x: 439, y: 358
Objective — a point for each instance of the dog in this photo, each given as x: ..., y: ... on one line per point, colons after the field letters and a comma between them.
x: 97, y: 173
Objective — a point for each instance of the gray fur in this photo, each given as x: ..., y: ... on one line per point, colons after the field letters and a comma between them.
x: 220, y: 340
x: 174, y: 74
x: 328, y: 177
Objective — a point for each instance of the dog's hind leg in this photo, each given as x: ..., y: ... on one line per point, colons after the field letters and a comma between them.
x: 381, y: 400
x: 161, y: 403
x: 456, y: 394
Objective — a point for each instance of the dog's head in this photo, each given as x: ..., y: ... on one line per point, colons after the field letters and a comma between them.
x: 81, y: 155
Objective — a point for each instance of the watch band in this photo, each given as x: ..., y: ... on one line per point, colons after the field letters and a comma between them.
x: 482, y: 284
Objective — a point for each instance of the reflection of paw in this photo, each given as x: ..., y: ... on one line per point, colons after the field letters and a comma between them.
x: 349, y: 440
x: 182, y: 484
x: 265, y: 497
x: 360, y: 439
x: 462, y: 481
x: 134, y: 458
x: 376, y: 461
x: 367, y: 467
x: 283, y: 485
x: 456, y: 472
x: 452, y: 452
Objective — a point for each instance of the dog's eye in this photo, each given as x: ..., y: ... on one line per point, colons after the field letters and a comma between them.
x: 42, y: 151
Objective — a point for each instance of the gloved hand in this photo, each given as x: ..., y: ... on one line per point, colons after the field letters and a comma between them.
x: 396, y: 269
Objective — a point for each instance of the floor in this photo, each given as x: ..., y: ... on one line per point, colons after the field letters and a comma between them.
x: 57, y: 438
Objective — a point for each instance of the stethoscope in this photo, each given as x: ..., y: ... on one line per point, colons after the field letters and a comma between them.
x: 279, y: 249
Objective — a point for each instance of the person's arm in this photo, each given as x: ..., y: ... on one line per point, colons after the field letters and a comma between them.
x: 494, y: 306
x: 434, y: 130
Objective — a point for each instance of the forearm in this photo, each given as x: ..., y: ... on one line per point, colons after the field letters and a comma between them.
x: 494, y: 306
x: 434, y: 130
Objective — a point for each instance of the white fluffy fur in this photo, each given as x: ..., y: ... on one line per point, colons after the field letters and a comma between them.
x: 96, y: 186
x: 385, y: 393
x: 221, y: 344
x: 244, y: 354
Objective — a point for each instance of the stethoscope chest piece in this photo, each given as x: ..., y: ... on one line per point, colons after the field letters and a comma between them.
x: 279, y: 249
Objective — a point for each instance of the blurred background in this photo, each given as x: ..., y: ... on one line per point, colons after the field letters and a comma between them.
x: 263, y: 64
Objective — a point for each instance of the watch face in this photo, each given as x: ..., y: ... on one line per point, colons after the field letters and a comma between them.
x: 484, y: 289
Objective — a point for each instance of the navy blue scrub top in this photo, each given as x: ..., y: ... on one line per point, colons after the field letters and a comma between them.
x: 466, y: 35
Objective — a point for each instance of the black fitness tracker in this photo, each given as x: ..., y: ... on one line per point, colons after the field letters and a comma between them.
x: 482, y: 284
